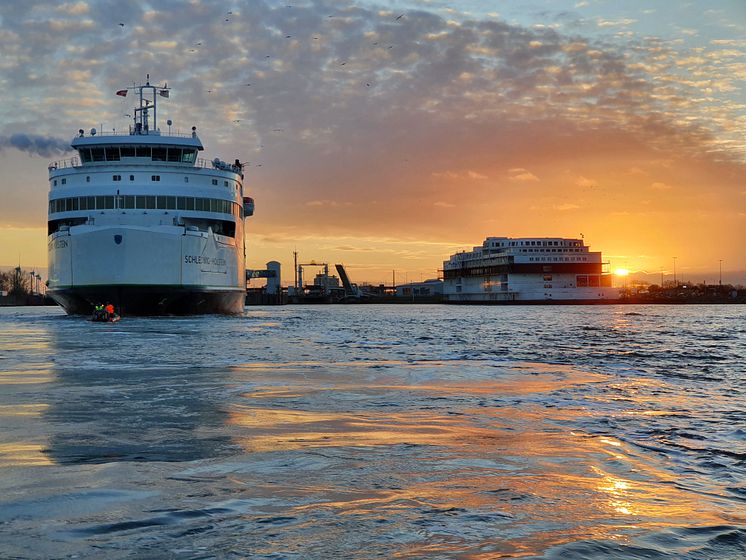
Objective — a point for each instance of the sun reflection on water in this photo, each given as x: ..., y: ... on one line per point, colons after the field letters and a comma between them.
x: 506, y: 469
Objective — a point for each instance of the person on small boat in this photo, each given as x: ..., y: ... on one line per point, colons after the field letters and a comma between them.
x: 110, y: 310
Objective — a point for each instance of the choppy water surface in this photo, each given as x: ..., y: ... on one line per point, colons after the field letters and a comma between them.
x: 376, y: 431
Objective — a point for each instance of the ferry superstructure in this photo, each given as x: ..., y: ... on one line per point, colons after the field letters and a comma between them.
x: 138, y: 220
x: 528, y: 270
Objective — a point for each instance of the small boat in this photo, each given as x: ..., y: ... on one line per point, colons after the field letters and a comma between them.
x: 101, y: 316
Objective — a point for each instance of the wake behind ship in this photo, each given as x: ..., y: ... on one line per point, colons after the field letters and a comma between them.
x: 138, y: 220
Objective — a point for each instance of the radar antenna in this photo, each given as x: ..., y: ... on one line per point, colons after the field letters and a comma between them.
x: 148, y: 101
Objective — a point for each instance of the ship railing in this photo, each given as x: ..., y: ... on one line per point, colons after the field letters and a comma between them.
x: 64, y: 163
x: 132, y: 132
x: 201, y: 162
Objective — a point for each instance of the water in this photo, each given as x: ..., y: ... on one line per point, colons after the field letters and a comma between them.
x: 375, y: 432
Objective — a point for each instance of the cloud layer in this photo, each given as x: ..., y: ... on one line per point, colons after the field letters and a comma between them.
x: 356, y: 121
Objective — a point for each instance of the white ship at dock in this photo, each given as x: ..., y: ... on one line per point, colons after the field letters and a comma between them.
x: 138, y: 220
x: 528, y: 270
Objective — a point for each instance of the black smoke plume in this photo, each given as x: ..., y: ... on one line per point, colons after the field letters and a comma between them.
x: 35, y: 144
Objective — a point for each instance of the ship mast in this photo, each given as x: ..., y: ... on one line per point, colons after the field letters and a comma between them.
x: 148, y: 103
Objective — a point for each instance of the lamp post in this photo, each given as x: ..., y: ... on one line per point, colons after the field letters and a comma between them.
x: 675, y: 283
x: 720, y: 279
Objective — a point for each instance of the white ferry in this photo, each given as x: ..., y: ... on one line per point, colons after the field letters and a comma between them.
x: 139, y: 221
x: 528, y: 270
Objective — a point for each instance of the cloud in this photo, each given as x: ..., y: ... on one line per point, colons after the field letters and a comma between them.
x: 391, y: 117
x: 468, y: 174
x: 661, y: 186
x: 441, y: 204
x: 585, y: 182
x: 519, y: 174
x: 565, y: 207
x: 35, y: 144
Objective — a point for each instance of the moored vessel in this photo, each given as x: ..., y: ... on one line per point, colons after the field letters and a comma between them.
x: 138, y: 220
x: 528, y: 270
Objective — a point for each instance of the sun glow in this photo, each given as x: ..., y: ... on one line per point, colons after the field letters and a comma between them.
x: 621, y: 272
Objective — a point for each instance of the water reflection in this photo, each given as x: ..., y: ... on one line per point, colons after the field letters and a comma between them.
x: 101, y: 416
x: 458, y: 462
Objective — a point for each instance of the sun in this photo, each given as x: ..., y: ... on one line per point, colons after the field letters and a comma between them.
x: 621, y: 272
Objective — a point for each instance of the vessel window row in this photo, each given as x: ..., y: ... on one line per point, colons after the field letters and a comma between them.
x: 558, y: 259
x: 153, y: 178
x: 145, y: 202
x: 542, y: 243
x: 154, y: 153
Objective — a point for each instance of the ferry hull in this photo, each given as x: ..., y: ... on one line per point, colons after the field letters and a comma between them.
x: 145, y: 271
x: 150, y: 300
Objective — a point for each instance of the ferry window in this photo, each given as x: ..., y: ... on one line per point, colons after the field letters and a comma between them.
x: 85, y: 155
x: 187, y: 156
x: 174, y: 154
x: 51, y: 206
x: 88, y: 179
x: 225, y: 183
x: 112, y: 154
x: 116, y: 177
x: 60, y: 204
x: 199, y: 204
x: 189, y: 203
x: 143, y: 151
x: 214, y: 181
x: 127, y: 151
x: 55, y: 182
x: 180, y: 203
x: 129, y: 201
x: 64, y: 181
x: 155, y: 177
x: 214, y: 205
x: 68, y: 205
x: 83, y: 203
x: 186, y: 179
x: 161, y: 202
x: 109, y: 202
x: 97, y: 154
x: 171, y: 202
x: 159, y: 154
x: 150, y: 202
x: 75, y: 203
x: 100, y: 202
x: 132, y: 177
x: 91, y: 202
x: 140, y: 201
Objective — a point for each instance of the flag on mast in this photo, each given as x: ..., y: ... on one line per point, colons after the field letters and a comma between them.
x: 122, y: 92
x: 164, y: 93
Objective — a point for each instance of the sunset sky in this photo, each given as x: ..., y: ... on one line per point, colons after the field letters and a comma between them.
x: 388, y: 135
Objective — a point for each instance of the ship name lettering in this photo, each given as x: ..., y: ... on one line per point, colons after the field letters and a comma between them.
x: 198, y: 259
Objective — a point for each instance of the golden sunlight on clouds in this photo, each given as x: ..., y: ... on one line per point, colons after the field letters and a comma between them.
x: 73, y: 9
x: 405, y: 140
x: 521, y: 175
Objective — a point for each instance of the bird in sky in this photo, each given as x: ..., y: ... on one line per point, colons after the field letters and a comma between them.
x: 399, y: 17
